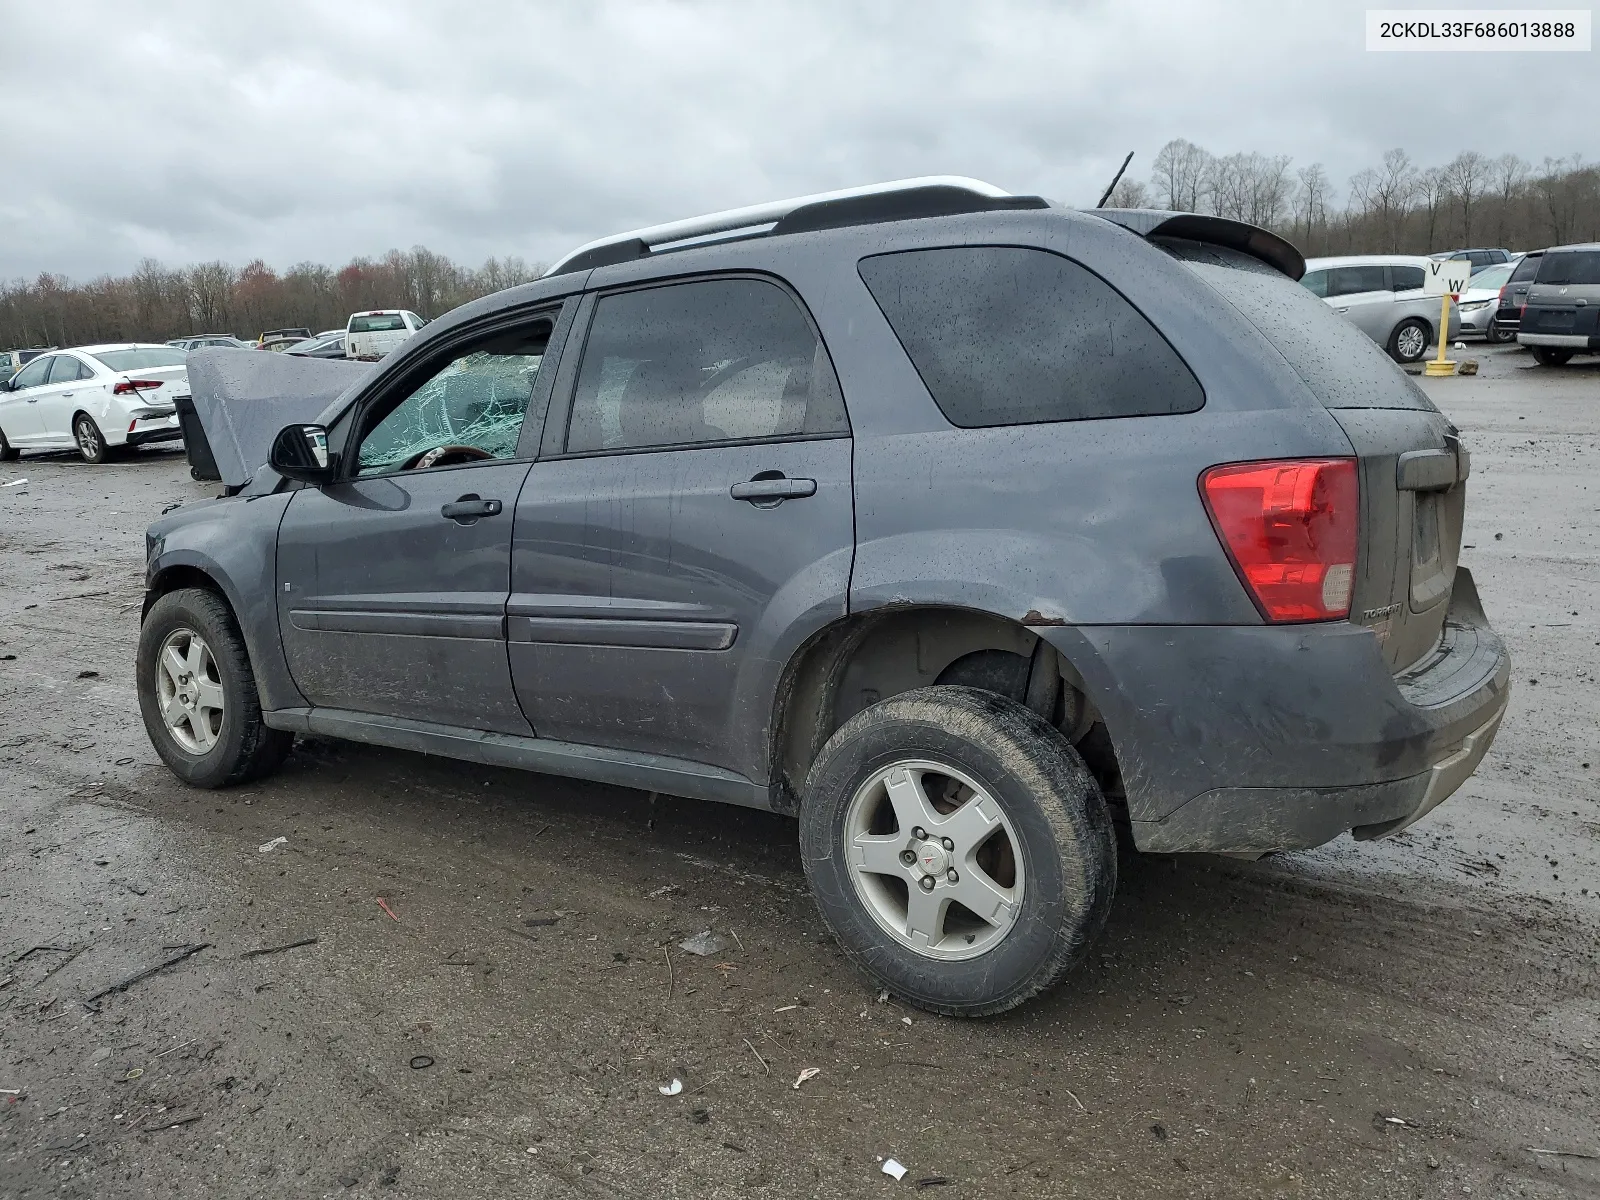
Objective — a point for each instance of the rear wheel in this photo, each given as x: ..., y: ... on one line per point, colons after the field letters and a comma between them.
x: 1409, y: 341
x: 1551, y: 356
x: 959, y: 849
x: 1497, y: 335
x: 197, y: 693
x: 91, y: 442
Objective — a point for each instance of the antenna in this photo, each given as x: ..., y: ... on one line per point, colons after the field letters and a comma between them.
x: 1117, y: 178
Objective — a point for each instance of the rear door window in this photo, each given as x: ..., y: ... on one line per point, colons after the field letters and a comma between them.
x: 1406, y: 279
x: 66, y: 369
x: 1571, y: 267
x: 1007, y: 335
x: 1349, y: 281
x: 705, y: 362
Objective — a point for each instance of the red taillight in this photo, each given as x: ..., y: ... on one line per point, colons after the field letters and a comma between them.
x: 1291, y: 529
x: 130, y: 387
x: 1501, y: 298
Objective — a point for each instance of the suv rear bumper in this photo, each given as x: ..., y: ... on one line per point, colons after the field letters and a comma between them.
x: 1254, y: 739
x: 1572, y: 341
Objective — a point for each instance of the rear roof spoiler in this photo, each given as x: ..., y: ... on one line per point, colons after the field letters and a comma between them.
x: 1278, y: 253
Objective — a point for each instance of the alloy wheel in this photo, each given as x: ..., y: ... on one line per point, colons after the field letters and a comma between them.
x: 189, y: 691
x: 88, y: 438
x: 1411, y: 343
x: 934, y: 859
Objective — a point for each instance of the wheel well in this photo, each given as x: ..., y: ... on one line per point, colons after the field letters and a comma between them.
x: 173, y: 579
x: 860, y: 660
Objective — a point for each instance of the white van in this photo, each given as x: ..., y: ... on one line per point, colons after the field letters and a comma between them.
x: 371, y: 335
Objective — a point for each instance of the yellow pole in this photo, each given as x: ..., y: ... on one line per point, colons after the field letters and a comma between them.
x: 1442, y: 365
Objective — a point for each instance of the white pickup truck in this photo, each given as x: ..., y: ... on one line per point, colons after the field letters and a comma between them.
x: 371, y: 335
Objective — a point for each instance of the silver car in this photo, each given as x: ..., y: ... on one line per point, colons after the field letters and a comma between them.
x: 1382, y: 294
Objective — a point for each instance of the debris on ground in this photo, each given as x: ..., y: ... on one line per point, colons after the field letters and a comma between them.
x: 127, y: 983
x: 540, y: 922
x: 1564, y: 1153
x: 664, y: 890
x: 268, y: 847
x: 383, y: 904
x: 310, y: 941
x: 14, y: 483
x: 705, y: 944
x: 894, y: 1169
x: 808, y: 1073
x: 421, y: 1062
x: 671, y: 1089
x: 928, y: 1181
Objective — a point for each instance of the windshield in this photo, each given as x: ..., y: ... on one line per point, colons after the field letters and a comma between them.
x: 1571, y: 266
x: 1490, y: 278
x: 141, y: 357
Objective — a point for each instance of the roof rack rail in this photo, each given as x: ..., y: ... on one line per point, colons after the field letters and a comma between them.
x: 901, y: 199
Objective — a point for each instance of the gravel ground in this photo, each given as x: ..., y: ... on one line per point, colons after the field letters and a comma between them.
x: 1405, y: 1019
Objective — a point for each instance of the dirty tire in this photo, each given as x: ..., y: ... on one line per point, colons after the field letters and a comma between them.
x: 245, y: 749
x: 1063, y: 836
x: 91, y: 442
x: 1551, y: 356
x: 1497, y: 334
x: 1404, y: 344
x: 8, y: 452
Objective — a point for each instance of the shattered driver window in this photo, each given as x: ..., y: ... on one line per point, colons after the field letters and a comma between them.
x: 477, y: 401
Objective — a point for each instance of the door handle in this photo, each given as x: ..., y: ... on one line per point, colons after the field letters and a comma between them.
x: 1344, y: 310
x: 469, y: 508
x: 769, y: 489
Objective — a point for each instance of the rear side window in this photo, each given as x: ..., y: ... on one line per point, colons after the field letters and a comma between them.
x: 1571, y: 267
x: 1005, y: 335
x: 715, y: 360
x: 1406, y: 279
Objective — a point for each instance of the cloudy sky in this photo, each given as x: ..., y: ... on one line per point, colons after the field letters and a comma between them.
x: 292, y: 131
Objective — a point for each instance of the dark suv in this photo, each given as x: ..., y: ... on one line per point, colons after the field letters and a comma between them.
x: 1562, y: 314
x: 963, y: 526
x: 1508, y: 310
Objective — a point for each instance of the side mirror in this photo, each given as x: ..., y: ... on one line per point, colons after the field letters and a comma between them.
x: 301, y: 452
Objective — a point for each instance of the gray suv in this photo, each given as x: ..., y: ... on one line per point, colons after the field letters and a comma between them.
x: 962, y: 526
x: 1562, y: 314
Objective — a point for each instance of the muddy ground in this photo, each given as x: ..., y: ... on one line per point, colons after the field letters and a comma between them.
x: 1405, y: 1019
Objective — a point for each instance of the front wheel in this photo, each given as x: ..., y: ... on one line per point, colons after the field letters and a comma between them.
x: 1551, y: 356
x: 91, y: 442
x: 1409, y: 341
x: 958, y: 848
x: 197, y: 693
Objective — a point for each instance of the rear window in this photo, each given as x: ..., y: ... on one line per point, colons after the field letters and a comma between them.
x: 1407, y: 279
x: 1341, y: 366
x: 1527, y: 268
x: 382, y: 323
x: 1571, y: 266
x: 1004, y: 335
x: 141, y: 358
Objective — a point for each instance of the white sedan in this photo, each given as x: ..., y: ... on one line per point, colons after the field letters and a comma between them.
x: 97, y: 398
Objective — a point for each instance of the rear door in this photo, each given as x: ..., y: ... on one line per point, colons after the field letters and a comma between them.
x: 393, y: 581
x: 59, y: 399
x: 695, y: 508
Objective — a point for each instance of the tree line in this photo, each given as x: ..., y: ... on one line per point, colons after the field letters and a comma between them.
x: 157, y: 302
x: 1396, y: 207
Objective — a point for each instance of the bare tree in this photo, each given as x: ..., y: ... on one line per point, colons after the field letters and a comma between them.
x: 1431, y: 192
x: 1467, y: 176
x: 1178, y: 175
x: 1129, y: 193
x: 1313, y: 191
x: 1509, y: 172
x: 1394, y: 188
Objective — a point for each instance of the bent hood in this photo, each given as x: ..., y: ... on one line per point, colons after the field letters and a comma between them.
x: 244, y: 397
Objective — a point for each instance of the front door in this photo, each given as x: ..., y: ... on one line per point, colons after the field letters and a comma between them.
x: 19, y: 408
x: 698, y: 510
x: 392, y: 582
